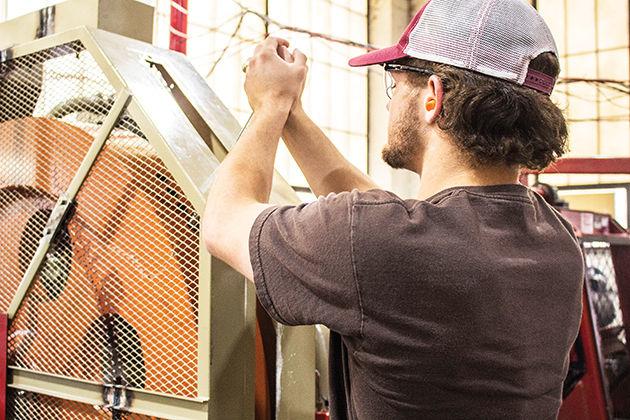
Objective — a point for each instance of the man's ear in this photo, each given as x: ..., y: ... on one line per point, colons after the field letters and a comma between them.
x: 432, y: 100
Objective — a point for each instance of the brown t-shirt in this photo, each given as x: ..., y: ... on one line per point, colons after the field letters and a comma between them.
x: 461, y: 306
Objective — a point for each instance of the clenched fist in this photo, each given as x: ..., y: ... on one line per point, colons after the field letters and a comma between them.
x: 275, y: 78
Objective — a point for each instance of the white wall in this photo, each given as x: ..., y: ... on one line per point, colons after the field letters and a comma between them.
x: 10, y: 9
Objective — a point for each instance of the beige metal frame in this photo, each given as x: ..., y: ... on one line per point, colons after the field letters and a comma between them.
x: 226, y: 329
x: 64, y: 202
x: 126, y: 17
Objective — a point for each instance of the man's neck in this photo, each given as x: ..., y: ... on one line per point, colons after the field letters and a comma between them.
x: 444, y: 167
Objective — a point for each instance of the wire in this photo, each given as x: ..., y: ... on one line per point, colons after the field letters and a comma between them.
x: 622, y: 86
x: 216, y: 29
x: 575, y: 79
x: 242, y: 42
x: 268, y: 20
x: 609, y: 100
x: 198, y: 24
x: 606, y: 99
x: 613, y: 118
x: 234, y: 34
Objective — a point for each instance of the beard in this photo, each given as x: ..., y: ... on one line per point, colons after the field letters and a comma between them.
x: 405, y: 139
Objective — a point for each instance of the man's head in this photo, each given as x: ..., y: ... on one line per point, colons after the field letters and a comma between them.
x: 487, y: 68
x: 489, y: 121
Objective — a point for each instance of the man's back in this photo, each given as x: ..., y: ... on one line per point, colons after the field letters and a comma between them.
x: 464, y: 305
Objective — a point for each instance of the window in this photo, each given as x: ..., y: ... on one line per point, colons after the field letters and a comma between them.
x: 221, y: 39
x: 593, y: 43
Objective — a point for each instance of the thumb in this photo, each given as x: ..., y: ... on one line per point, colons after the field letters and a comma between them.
x: 285, y: 54
x: 299, y: 57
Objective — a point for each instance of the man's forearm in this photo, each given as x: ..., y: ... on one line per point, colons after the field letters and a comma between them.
x: 324, y: 167
x: 246, y: 173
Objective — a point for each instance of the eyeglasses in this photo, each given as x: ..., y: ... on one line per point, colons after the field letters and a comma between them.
x: 390, y: 83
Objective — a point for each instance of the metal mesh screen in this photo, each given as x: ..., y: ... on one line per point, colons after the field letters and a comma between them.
x: 24, y: 405
x: 600, y: 275
x: 116, y: 301
x: 50, y: 104
x: 604, y: 296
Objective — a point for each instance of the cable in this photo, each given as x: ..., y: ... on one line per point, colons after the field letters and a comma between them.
x: 606, y: 99
x: 574, y: 80
x: 216, y: 29
x: 622, y: 86
x: 244, y: 42
x: 208, y: 29
x: 268, y: 20
x: 238, y: 28
x: 613, y: 118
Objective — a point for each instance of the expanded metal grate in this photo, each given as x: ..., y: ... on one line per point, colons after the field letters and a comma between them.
x: 600, y: 274
x: 116, y: 301
x: 31, y: 406
x: 51, y: 103
x: 604, y: 296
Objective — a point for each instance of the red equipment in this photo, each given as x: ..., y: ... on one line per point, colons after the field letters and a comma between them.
x: 4, y: 327
x: 179, y: 26
x: 598, y: 381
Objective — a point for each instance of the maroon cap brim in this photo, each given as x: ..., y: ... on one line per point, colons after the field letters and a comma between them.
x: 384, y: 55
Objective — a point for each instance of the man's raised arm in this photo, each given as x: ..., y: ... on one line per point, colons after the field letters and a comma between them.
x: 324, y: 167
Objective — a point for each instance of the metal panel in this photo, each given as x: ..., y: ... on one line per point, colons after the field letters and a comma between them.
x: 596, y: 165
x: 56, y: 225
x: 608, y: 324
x: 29, y: 406
x: 128, y: 308
x: 43, y: 95
x: 127, y: 17
x: 84, y: 392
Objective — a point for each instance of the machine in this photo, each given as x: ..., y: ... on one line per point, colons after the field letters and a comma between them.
x: 598, y: 382
x: 597, y: 386
x: 114, y: 309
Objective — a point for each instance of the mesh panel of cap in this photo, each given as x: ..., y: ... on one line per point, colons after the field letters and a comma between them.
x: 495, y: 37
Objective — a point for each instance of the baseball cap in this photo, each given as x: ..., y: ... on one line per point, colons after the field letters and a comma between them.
x: 497, y: 38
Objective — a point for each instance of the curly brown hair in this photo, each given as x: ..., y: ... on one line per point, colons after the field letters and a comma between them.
x: 498, y: 122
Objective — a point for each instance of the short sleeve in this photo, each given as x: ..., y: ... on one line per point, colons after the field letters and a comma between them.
x: 303, y: 267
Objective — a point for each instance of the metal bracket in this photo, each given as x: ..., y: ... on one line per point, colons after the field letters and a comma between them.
x: 61, y: 210
x: 5, y: 56
x: 87, y: 392
x: 116, y: 397
x: 46, y: 22
x: 59, y: 215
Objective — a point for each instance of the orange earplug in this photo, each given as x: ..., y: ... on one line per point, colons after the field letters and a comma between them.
x: 430, y: 105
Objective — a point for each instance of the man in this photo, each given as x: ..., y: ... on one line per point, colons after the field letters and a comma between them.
x: 462, y: 303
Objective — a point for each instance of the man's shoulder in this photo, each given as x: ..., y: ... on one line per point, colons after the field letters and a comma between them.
x: 356, y: 197
x: 375, y: 196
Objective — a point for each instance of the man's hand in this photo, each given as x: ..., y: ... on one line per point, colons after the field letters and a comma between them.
x: 287, y: 56
x: 275, y: 78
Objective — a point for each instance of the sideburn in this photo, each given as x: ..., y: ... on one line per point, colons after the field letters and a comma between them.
x: 405, y: 138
